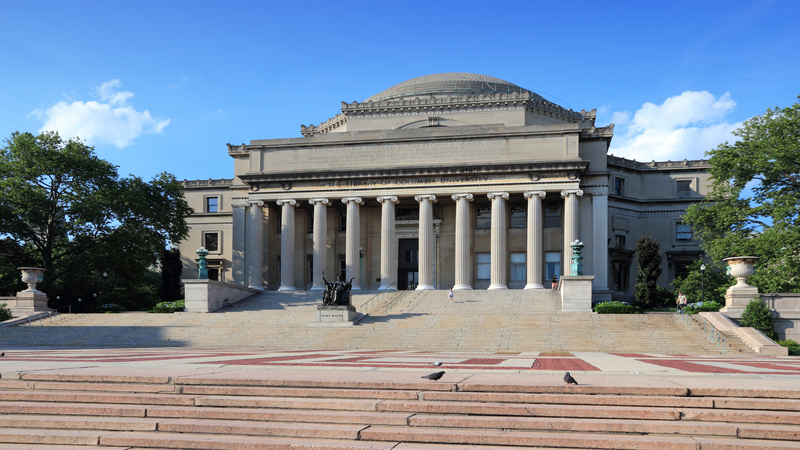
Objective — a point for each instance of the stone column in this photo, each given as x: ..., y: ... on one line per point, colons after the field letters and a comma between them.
x: 600, y: 240
x: 255, y: 244
x: 571, y: 230
x: 287, y: 244
x: 463, y: 260
x: 425, y: 241
x: 320, y: 241
x: 388, y: 248
x: 535, y: 253
x: 499, y: 245
x: 353, y: 242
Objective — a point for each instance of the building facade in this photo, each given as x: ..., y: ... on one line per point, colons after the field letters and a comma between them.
x: 444, y: 181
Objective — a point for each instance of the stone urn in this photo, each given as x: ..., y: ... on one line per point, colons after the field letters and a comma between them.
x: 741, y: 267
x: 32, y: 276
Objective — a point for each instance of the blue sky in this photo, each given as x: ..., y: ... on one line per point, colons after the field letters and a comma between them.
x: 163, y: 86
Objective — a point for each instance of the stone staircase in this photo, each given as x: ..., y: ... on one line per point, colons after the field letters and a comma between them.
x: 48, y: 411
x: 478, y: 321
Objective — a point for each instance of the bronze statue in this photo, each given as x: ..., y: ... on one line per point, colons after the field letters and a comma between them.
x: 336, y: 292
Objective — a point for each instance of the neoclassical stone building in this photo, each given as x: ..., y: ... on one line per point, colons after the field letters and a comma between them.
x: 444, y: 181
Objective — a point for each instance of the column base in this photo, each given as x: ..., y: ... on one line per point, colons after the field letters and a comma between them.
x: 317, y: 288
x: 287, y: 288
x: 355, y: 288
x: 424, y: 287
x: 496, y: 287
x: 534, y: 286
x: 462, y: 287
x: 390, y: 287
x: 260, y: 288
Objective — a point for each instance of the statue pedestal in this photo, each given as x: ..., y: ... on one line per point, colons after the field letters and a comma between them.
x: 576, y: 293
x: 737, y: 299
x: 335, y: 316
x: 27, y: 303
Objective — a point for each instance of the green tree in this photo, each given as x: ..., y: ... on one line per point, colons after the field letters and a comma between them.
x: 752, y: 209
x: 716, y: 283
x: 171, y: 270
x: 69, y: 212
x: 757, y: 315
x: 647, y: 292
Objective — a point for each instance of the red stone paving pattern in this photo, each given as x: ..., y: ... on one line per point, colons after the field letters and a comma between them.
x: 480, y: 361
x: 630, y: 355
x: 690, y: 366
x: 556, y: 354
x: 769, y: 366
x: 563, y: 364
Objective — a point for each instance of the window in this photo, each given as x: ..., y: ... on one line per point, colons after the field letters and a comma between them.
x: 213, y: 274
x: 310, y: 264
x: 621, y: 272
x: 518, y: 217
x: 684, y: 189
x: 682, y: 269
x: 310, y: 226
x: 343, y: 266
x: 619, y: 241
x: 552, y: 265
x: 518, y: 267
x: 211, y: 241
x: 619, y: 186
x: 342, y: 221
x: 212, y: 204
x: 278, y: 272
x: 411, y: 255
x: 683, y: 232
x: 484, y: 218
x: 279, y: 222
x: 484, y: 263
x: 552, y: 216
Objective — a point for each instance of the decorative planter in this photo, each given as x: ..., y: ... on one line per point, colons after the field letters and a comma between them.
x: 741, y: 267
x: 32, y: 276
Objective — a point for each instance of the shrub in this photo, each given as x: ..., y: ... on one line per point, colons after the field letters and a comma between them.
x: 616, y: 308
x: 5, y: 314
x: 111, y: 308
x: 694, y: 308
x: 793, y: 346
x: 169, y: 307
x: 757, y: 315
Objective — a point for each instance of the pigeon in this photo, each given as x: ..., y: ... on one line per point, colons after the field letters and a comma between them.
x: 568, y: 379
x: 2, y: 354
x: 436, y: 364
x: 434, y: 376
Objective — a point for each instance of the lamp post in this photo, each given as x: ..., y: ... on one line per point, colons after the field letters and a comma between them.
x: 702, y: 282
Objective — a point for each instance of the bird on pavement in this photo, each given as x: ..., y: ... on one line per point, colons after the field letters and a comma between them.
x: 2, y: 354
x: 568, y: 379
x: 436, y: 364
x: 434, y: 376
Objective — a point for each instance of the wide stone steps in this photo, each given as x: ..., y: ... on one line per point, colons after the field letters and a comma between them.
x: 55, y: 412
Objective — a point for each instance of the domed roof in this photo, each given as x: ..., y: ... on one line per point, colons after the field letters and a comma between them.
x: 450, y: 84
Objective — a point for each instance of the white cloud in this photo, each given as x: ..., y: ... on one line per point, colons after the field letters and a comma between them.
x: 683, y: 127
x: 110, y: 121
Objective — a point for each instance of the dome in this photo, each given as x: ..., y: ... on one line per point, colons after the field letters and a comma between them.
x: 449, y: 84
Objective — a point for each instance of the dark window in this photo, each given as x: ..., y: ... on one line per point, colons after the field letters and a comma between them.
x: 683, y: 232
x: 619, y: 241
x: 343, y: 266
x: 518, y: 272
x: 484, y: 218
x: 310, y: 226
x: 552, y: 266
x: 619, y: 186
x: 343, y: 221
x: 310, y: 262
x: 212, y: 242
x: 621, y: 273
x: 518, y: 217
x: 681, y: 269
x: 279, y: 222
x: 684, y: 189
x: 484, y: 266
x: 552, y: 216
x: 212, y: 204
x: 213, y: 274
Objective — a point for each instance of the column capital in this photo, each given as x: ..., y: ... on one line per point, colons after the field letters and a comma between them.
x: 288, y: 201
x: 421, y: 197
x: 387, y: 198
x: 529, y: 194
x: 567, y: 192
x: 253, y: 202
x: 356, y: 200
x: 503, y: 195
x: 324, y: 201
x: 455, y: 197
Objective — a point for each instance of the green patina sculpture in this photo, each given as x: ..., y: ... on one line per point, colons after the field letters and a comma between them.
x: 202, y: 264
x: 576, y: 268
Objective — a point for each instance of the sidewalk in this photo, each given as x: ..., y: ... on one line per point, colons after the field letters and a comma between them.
x: 331, y: 366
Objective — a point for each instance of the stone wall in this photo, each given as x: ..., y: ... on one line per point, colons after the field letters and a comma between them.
x: 785, y: 310
x: 208, y: 295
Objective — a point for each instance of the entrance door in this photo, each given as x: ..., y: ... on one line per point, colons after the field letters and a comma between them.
x: 408, y: 264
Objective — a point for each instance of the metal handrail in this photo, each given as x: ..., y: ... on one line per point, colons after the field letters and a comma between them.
x: 364, y: 305
x: 714, y: 335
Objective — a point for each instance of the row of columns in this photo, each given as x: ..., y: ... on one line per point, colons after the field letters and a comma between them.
x: 463, y: 231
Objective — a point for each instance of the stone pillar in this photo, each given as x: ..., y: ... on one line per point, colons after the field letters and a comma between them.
x: 600, y: 240
x: 320, y: 241
x: 287, y: 244
x: 463, y: 262
x: 425, y: 241
x: 388, y: 248
x: 238, y: 246
x: 499, y: 245
x: 571, y: 228
x: 255, y: 244
x: 353, y: 242
x: 535, y: 253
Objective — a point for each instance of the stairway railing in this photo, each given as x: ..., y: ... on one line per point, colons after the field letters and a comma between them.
x: 714, y: 335
x: 366, y: 307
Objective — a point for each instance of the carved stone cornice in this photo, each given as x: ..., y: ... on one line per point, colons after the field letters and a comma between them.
x: 388, y: 198
x: 567, y: 192
x: 325, y: 127
x: 697, y: 164
x: 493, y: 195
x: 324, y: 201
x: 287, y: 201
x: 356, y: 200
x: 529, y: 194
x: 467, y: 196
x: 421, y: 197
x: 204, y: 184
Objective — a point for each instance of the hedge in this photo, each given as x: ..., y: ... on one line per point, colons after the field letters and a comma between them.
x: 616, y: 308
